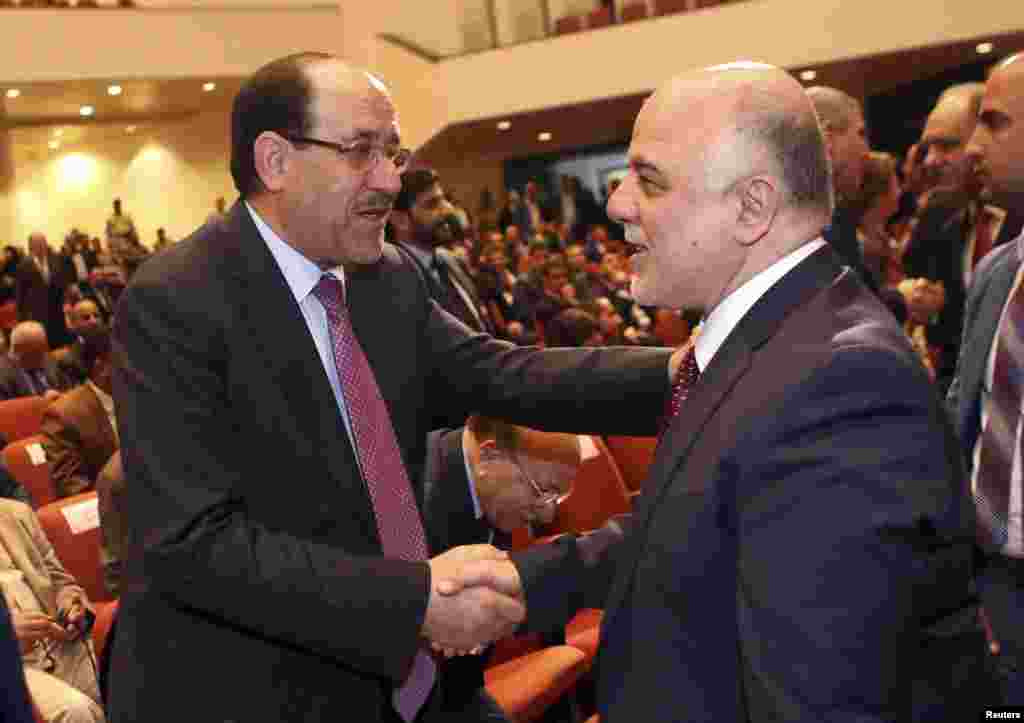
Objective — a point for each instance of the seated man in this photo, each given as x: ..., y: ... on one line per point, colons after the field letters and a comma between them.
x: 52, y: 617
x: 84, y: 320
x: 27, y: 369
x: 79, y: 428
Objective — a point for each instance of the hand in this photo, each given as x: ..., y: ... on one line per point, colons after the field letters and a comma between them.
x: 498, y: 575
x: 75, y: 620
x: 454, y: 652
x: 462, y: 620
x: 33, y: 627
x: 50, y: 394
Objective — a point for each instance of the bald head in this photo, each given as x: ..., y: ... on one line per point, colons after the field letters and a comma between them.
x: 29, y: 345
x: 728, y: 173
x: 37, y: 245
x: 996, y: 150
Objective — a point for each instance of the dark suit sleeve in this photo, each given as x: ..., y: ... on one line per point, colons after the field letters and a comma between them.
x: 587, y: 391
x: 448, y: 511
x: 853, y: 531
x: 63, y: 444
x: 186, y: 507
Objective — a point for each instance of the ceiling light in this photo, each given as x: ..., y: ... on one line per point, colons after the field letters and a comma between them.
x: 504, y: 125
x: 54, y: 145
x: 545, y: 136
x: 86, y: 111
x: 129, y: 129
x: 114, y: 90
x: 808, y: 75
x: 207, y: 87
x: 984, y: 48
x: 13, y: 92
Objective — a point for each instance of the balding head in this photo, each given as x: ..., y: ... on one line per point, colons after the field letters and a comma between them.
x: 842, y: 120
x: 948, y: 129
x: 37, y: 245
x: 996, y: 149
x: 728, y: 173
x: 29, y: 345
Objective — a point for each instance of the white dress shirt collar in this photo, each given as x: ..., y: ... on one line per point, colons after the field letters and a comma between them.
x: 717, y: 326
x: 301, y: 274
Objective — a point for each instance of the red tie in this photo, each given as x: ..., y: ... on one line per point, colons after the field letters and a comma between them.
x: 398, y: 518
x: 686, y: 377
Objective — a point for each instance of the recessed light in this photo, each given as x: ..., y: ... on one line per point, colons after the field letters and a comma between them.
x: 545, y: 136
x: 129, y: 129
x: 54, y: 145
x: 114, y: 90
x: 984, y: 48
x: 808, y: 75
x: 504, y: 125
x: 86, y: 110
x: 207, y: 87
x: 13, y: 92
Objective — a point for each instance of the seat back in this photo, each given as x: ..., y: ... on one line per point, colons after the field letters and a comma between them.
x: 72, y: 525
x: 598, y: 493
x: 21, y: 417
x: 26, y: 461
x: 633, y: 455
x: 634, y: 11
x: 568, y: 24
x: 8, y: 316
x: 600, y: 18
x: 668, y: 7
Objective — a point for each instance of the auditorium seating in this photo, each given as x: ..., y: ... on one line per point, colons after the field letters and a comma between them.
x: 26, y: 462
x: 529, y: 685
x: 633, y: 455
x: 599, y: 18
x: 568, y: 24
x: 598, y: 493
x: 668, y: 7
x: 72, y: 525
x: 9, y: 310
x: 633, y: 11
x: 21, y: 417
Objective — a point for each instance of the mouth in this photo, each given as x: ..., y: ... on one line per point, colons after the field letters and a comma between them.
x: 633, y: 249
x: 377, y: 215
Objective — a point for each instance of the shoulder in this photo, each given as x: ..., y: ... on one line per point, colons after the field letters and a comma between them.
x: 14, y: 511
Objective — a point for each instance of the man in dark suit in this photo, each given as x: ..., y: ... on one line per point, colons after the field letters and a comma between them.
x: 801, y: 548
x: 955, y: 227
x: 985, y: 395
x: 319, y: 599
x: 41, y: 278
x: 430, y: 228
x: 29, y: 369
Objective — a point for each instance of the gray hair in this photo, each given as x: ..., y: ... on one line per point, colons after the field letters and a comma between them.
x: 836, y: 110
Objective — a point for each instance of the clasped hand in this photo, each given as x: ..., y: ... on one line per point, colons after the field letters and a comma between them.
x: 475, y: 598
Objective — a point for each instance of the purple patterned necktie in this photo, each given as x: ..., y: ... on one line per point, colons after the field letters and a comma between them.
x: 394, y: 506
x: 999, y: 438
x: 686, y: 377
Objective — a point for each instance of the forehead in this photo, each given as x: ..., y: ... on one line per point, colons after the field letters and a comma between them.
x: 947, y: 120
x: 349, y: 103
x: 672, y: 131
x: 1005, y: 89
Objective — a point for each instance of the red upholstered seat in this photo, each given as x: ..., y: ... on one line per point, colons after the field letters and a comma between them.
x: 668, y: 7
x: 30, y: 469
x: 568, y: 24
x: 9, y: 310
x: 633, y: 455
x: 21, y: 417
x: 598, y: 493
x: 599, y: 18
x: 527, y: 686
x: 78, y: 547
x: 634, y: 11
x: 584, y: 631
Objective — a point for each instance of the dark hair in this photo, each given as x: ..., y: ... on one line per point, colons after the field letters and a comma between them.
x: 94, y: 347
x: 277, y: 97
x: 571, y: 327
x: 414, y: 183
x: 895, y: 302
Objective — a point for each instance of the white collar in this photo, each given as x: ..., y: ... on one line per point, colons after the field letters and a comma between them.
x: 715, y: 329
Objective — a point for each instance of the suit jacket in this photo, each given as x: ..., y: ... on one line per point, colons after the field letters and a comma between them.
x: 13, y: 382
x: 449, y: 299
x: 79, y: 440
x: 216, y: 414
x: 992, y: 283
x: 113, y: 526
x: 801, y: 547
x: 42, y: 301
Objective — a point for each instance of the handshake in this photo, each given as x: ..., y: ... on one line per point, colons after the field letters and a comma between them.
x: 476, y: 598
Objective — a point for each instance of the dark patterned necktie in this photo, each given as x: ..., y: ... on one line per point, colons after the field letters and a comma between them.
x: 394, y: 506
x: 999, y: 438
x: 686, y: 377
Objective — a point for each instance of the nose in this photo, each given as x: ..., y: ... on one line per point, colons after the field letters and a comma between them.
x: 934, y: 156
x: 975, y: 150
x: 385, y: 176
x: 620, y: 204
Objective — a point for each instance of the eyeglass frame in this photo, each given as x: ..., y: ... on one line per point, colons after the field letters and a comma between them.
x: 345, y: 148
x: 544, y: 498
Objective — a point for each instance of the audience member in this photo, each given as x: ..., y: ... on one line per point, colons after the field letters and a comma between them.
x: 514, y: 214
x: 573, y: 327
x: 80, y: 427
x: 321, y: 607
x: 162, y: 241
x: 113, y: 528
x: 879, y: 199
x: 431, y: 228
x: 8, y: 274
x: 486, y: 214
x: 28, y: 369
x: 769, y: 536
x: 122, y: 237
x: 41, y: 278
x: 15, y: 706
x: 52, y: 618
x: 842, y: 121
x: 985, y: 396
x: 85, y: 320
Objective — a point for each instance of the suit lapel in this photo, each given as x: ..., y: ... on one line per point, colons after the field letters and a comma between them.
x: 728, y: 366
x: 292, y: 362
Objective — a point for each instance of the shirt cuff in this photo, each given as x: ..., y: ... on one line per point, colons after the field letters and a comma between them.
x: 478, y: 511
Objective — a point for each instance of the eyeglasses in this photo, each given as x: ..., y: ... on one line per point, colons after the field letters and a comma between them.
x: 545, y: 498
x: 363, y: 154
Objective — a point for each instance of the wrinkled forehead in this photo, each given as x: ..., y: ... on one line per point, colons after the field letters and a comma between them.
x: 350, y: 103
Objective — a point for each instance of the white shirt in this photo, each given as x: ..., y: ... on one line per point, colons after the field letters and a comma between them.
x: 107, y: 402
x: 716, y: 328
x: 1015, y: 521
